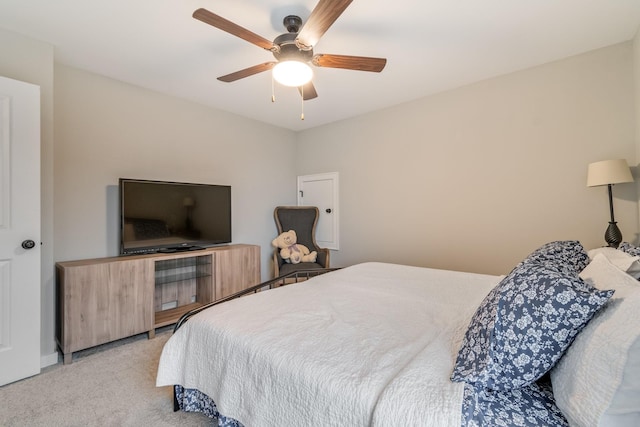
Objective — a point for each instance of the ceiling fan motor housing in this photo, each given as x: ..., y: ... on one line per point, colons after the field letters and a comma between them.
x: 289, y: 50
x: 292, y: 23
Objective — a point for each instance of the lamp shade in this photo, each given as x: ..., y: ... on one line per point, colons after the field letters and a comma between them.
x: 292, y: 73
x: 608, y: 172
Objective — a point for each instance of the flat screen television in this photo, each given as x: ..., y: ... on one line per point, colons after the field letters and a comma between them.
x: 159, y: 216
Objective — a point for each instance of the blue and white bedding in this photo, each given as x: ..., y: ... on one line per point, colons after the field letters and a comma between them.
x: 192, y: 400
x: 384, y: 345
x: 531, y: 406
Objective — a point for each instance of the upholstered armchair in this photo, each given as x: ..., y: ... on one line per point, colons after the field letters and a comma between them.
x: 303, y: 220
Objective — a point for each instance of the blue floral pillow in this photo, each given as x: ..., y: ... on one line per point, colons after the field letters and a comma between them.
x: 629, y: 248
x: 567, y: 256
x: 524, y: 325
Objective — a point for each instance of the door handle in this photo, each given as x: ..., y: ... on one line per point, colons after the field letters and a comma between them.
x: 28, y: 244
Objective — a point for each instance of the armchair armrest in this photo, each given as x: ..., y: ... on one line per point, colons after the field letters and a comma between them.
x: 323, y: 257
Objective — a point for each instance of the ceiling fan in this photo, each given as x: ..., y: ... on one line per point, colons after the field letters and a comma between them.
x: 296, y: 46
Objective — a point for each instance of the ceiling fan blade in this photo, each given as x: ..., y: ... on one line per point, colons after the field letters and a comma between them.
x: 308, y: 91
x: 322, y: 17
x: 247, y: 72
x: 359, y: 63
x: 219, y: 22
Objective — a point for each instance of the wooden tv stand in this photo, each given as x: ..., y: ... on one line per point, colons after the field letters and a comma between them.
x: 106, y: 299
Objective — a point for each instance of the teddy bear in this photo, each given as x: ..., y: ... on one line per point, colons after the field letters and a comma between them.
x: 293, y: 252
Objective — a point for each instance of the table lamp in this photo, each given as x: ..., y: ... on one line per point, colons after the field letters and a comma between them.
x: 609, y: 172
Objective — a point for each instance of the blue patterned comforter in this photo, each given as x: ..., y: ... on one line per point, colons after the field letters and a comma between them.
x: 532, y: 405
x: 191, y: 400
x: 529, y: 406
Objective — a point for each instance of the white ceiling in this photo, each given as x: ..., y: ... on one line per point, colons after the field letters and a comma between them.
x: 430, y: 45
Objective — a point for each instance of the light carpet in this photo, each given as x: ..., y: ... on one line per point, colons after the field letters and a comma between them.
x: 110, y: 385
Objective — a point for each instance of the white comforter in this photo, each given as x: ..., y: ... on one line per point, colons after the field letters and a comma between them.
x: 372, y: 344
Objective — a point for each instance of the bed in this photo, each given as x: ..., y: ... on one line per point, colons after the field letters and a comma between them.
x: 378, y: 344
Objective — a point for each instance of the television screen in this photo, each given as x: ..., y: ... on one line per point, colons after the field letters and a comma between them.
x: 158, y: 216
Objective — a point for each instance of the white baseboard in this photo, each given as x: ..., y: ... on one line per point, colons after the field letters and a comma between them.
x: 48, y: 359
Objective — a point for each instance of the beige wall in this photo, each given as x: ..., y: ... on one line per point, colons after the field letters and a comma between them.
x: 475, y: 178
x: 107, y: 129
x: 31, y: 61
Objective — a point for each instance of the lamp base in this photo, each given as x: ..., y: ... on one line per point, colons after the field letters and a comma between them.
x: 613, y: 236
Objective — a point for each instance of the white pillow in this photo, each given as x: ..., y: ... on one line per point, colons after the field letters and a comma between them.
x: 599, y: 374
x: 625, y: 262
x: 623, y: 411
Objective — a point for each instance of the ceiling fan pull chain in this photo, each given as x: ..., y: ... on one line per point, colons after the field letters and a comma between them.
x: 273, y: 90
x: 302, y: 103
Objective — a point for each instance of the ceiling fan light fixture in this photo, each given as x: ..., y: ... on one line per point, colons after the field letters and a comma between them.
x: 292, y: 73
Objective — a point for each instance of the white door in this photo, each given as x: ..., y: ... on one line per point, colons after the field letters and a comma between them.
x: 19, y: 230
x: 321, y: 190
